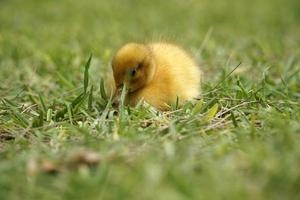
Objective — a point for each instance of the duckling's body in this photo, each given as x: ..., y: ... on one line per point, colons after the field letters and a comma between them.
x: 163, y: 70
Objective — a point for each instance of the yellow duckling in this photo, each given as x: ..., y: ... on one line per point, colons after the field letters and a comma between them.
x: 157, y: 73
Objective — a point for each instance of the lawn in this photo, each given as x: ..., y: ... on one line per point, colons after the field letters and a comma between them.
x: 60, y: 138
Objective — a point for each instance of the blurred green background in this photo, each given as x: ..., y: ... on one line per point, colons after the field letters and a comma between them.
x: 58, y: 35
x: 44, y: 45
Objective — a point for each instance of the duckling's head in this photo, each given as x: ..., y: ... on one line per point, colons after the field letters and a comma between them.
x: 133, y: 65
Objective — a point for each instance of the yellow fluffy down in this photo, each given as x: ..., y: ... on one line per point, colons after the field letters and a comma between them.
x: 163, y: 72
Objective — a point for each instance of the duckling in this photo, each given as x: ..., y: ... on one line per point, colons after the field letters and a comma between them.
x: 157, y: 73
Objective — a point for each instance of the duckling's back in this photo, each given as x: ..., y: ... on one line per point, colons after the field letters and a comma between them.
x: 177, y: 72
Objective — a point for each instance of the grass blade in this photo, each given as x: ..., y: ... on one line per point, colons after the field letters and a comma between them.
x: 219, y: 83
x: 42, y: 103
x: 38, y: 121
x: 65, y: 81
x: 78, y: 100
x: 86, y: 74
x: 211, y: 113
x: 177, y: 103
x: 49, y: 115
x: 123, y: 95
x: 233, y: 119
x: 70, y: 113
x: 74, y: 103
x: 102, y: 90
x: 90, y: 100
x: 198, y: 107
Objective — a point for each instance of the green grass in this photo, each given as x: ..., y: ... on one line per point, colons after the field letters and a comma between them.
x: 240, y: 141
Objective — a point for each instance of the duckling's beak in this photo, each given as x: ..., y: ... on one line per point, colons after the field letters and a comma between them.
x: 117, y: 95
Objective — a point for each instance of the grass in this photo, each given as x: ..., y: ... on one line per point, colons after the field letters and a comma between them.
x: 61, y: 138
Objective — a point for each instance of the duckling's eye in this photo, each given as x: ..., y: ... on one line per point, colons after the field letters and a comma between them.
x: 132, y: 72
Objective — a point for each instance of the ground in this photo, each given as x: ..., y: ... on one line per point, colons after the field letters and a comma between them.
x: 61, y: 139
